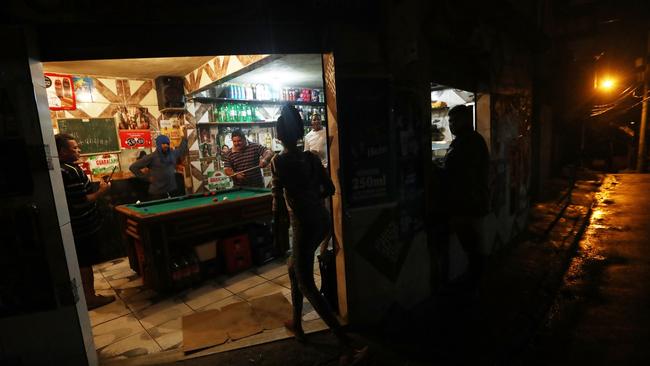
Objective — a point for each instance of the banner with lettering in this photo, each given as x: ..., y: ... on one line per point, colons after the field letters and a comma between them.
x: 134, y: 139
x: 103, y: 164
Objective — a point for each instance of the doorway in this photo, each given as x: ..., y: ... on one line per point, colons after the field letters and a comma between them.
x: 223, y: 93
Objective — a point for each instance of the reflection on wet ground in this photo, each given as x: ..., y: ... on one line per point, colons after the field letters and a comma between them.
x: 600, y: 313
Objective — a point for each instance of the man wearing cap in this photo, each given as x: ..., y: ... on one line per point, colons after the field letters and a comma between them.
x: 161, y: 166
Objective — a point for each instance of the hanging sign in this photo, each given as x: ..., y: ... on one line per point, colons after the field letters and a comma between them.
x: 103, y: 164
x: 60, y: 92
x: 134, y: 139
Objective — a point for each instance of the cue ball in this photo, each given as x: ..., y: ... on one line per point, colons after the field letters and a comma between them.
x: 225, y: 198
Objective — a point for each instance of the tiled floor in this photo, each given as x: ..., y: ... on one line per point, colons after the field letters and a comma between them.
x: 142, y: 322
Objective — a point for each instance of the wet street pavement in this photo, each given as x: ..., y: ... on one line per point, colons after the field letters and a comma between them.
x: 601, y: 315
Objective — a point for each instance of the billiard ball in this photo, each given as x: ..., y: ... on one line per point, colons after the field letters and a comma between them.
x: 206, y: 194
x: 215, y: 199
x: 225, y: 198
x: 145, y: 209
x: 213, y: 193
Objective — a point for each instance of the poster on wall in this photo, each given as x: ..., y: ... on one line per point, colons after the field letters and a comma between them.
x: 129, y: 156
x: 172, y: 129
x: 102, y: 164
x: 135, y: 139
x: 133, y: 118
x: 368, y: 175
x: 60, y: 92
x: 83, y: 88
x: 207, y: 142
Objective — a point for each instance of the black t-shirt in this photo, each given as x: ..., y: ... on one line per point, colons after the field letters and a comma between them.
x: 84, y: 217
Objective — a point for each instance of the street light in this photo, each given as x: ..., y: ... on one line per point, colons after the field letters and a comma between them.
x: 606, y: 84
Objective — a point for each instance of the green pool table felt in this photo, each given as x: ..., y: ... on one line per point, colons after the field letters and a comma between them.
x: 194, y: 200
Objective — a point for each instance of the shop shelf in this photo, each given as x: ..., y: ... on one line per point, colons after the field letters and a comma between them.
x: 255, y: 123
x: 207, y: 100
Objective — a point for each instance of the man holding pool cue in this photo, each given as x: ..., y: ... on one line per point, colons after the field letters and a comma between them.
x: 245, y: 161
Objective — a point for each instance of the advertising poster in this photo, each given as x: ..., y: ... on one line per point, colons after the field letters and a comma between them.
x: 207, y: 142
x: 217, y: 181
x: 172, y: 129
x: 102, y: 164
x: 135, y: 139
x: 60, y: 92
x: 83, y: 88
x: 129, y: 156
x: 369, y: 171
x: 133, y: 118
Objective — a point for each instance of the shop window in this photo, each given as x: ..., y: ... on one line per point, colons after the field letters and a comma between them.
x: 443, y: 98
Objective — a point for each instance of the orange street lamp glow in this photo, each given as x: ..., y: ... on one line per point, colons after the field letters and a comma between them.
x: 607, y: 84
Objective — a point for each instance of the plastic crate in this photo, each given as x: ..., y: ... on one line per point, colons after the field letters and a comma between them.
x: 236, y: 253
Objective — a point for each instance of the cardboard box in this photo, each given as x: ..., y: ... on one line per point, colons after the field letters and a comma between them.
x: 206, y: 251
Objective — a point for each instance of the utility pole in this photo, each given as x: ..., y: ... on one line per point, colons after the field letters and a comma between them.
x: 640, y: 160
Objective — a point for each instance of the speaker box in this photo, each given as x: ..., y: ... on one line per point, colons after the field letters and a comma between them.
x: 170, y: 92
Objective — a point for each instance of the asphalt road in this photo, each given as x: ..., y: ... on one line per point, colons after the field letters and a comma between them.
x: 601, y: 315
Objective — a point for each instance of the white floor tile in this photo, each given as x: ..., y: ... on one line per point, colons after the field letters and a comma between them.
x: 115, y: 330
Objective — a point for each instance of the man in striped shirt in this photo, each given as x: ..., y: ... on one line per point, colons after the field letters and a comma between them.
x: 85, y: 219
x: 246, y: 159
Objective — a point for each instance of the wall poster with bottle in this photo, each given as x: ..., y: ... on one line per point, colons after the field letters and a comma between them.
x: 60, y: 92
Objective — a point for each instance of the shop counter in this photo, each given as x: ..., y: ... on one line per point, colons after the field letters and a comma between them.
x: 156, y: 231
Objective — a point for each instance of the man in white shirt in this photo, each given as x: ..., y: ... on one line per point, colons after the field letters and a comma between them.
x: 316, y: 139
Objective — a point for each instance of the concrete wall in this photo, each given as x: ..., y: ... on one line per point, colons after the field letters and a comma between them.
x: 41, y: 320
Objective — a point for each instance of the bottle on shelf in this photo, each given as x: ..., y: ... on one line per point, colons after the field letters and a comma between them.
x: 249, y: 113
x: 249, y: 92
x: 223, y: 113
x: 241, y: 112
x: 259, y: 92
x: 232, y: 113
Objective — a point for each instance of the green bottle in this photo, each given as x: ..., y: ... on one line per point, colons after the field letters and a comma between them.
x: 249, y: 113
x: 232, y: 113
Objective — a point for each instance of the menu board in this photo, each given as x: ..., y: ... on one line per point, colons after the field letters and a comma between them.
x: 94, y: 135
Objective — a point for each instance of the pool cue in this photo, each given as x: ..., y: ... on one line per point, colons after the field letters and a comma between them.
x: 245, y: 170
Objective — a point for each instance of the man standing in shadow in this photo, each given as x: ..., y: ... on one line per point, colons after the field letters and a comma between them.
x: 464, y: 178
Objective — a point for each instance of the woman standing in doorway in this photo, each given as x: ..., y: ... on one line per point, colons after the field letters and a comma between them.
x: 300, y: 179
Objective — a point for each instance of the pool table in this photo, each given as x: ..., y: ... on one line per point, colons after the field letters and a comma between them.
x: 157, y: 230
